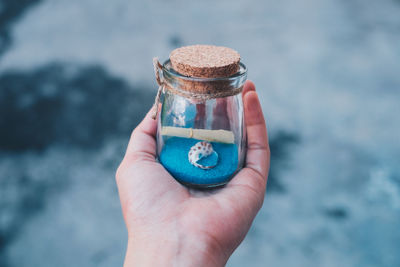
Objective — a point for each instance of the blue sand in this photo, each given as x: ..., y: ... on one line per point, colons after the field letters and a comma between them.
x: 174, y: 157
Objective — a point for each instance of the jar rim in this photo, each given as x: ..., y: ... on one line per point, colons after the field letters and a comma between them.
x: 167, y: 68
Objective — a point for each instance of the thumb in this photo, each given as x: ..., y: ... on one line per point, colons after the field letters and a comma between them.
x: 142, y: 144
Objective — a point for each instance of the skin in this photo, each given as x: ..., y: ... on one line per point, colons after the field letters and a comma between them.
x: 171, y: 225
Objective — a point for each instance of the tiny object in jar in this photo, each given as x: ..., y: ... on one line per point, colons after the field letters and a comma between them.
x: 201, y: 150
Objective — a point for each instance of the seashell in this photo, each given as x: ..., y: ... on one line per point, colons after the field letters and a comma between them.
x: 201, y: 150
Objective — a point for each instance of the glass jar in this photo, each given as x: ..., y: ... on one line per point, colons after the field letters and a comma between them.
x: 190, y: 123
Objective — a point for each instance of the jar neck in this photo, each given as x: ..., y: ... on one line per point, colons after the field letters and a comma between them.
x: 202, y: 88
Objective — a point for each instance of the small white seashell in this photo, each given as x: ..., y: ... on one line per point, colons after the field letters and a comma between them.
x: 198, y: 151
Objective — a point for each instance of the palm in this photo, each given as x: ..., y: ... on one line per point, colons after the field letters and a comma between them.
x: 214, y: 213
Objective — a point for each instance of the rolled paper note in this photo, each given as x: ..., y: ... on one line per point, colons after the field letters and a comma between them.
x: 221, y: 136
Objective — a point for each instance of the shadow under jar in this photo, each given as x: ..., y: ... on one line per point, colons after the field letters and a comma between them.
x: 201, y: 137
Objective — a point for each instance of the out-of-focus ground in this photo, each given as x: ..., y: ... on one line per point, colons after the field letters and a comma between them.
x: 76, y: 77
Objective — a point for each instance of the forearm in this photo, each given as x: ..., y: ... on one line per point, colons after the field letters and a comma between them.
x: 176, y: 251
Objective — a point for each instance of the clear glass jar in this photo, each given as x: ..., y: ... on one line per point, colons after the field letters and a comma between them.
x: 184, y: 121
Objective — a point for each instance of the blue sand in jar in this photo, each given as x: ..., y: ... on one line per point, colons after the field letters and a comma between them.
x: 174, y: 157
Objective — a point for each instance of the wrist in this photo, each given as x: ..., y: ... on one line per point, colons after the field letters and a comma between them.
x: 173, y: 249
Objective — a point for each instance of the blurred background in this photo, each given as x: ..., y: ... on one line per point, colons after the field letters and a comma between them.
x: 76, y: 77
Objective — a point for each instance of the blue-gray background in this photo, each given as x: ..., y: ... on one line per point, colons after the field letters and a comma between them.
x: 76, y: 77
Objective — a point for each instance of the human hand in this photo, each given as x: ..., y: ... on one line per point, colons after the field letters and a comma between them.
x: 171, y: 225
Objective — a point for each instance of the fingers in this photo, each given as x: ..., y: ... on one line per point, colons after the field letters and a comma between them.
x: 221, y: 112
x: 257, y: 138
x: 142, y: 145
x: 247, y: 188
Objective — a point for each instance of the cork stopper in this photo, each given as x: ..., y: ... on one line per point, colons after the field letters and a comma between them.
x: 205, y: 61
